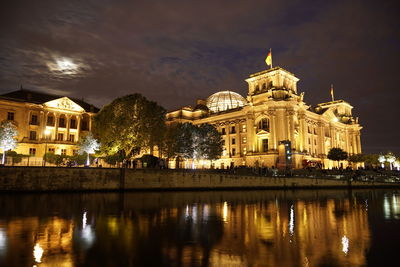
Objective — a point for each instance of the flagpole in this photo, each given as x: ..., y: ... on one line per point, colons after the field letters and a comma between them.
x: 332, y: 93
x: 270, y: 50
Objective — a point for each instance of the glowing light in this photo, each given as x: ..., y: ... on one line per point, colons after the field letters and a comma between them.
x: 84, y: 219
x: 47, y: 132
x: 335, y: 119
x: 66, y: 64
x: 3, y: 240
x: 38, y: 253
x: 386, y: 208
x: 291, y: 221
x: 225, y: 212
x: 345, y: 244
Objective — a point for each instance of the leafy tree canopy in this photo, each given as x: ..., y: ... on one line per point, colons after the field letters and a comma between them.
x: 129, y: 124
x: 357, y: 158
x: 337, y: 154
x: 197, y: 142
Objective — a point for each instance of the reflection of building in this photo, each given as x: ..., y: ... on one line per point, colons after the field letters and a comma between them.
x: 253, y: 129
x: 42, y: 118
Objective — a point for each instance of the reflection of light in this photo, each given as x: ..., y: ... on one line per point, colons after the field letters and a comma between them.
x: 291, y: 222
x: 84, y: 220
x: 194, y: 213
x: 345, y: 244
x: 395, y: 206
x: 205, y: 212
x: 187, y: 212
x: 386, y: 207
x: 335, y: 119
x: 88, y: 235
x: 225, y: 212
x: 3, y: 240
x: 37, y: 252
x: 366, y: 205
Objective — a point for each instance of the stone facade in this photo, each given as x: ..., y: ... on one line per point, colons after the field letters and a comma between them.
x: 46, y: 122
x: 274, y: 126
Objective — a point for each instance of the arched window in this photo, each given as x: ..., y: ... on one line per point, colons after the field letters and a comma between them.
x: 263, y: 124
x: 257, y: 88
x: 264, y: 86
x: 270, y: 85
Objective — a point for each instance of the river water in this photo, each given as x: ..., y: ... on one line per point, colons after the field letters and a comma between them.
x: 220, y: 228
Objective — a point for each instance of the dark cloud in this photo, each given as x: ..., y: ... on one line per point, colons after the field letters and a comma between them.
x: 176, y: 51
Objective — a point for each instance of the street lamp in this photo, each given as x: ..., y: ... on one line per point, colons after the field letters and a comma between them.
x: 46, y: 135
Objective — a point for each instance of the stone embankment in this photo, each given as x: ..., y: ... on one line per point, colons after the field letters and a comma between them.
x: 14, y: 179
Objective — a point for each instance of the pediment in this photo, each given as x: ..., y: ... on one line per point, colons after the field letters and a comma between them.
x: 64, y: 103
x: 262, y: 133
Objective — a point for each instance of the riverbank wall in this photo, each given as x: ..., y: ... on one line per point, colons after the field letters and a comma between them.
x: 25, y: 179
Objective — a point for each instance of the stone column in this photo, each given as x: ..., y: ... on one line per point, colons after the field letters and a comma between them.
x: 359, y: 143
x: 250, y: 133
x: 238, y: 138
x: 272, y: 128
x: 68, y: 118
x: 302, y: 132
x: 290, y: 119
x: 355, y: 144
x: 78, y: 128
x: 56, y: 118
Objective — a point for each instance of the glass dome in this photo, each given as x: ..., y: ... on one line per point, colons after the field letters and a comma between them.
x: 225, y: 100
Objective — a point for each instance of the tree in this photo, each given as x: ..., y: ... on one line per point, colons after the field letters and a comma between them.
x: 210, y: 145
x: 356, y: 158
x: 16, y: 158
x: 371, y: 159
x: 194, y: 142
x: 337, y: 154
x: 88, y: 145
x: 8, y: 133
x: 54, y: 158
x: 129, y: 124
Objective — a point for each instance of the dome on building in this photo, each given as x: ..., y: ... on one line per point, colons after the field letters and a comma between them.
x: 225, y: 100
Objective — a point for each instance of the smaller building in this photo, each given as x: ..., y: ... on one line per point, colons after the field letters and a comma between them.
x: 46, y: 122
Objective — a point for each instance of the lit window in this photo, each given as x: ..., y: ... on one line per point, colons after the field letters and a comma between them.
x: 63, y: 152
x: 244, y: 128
x: 244, y: 151
x: 52, y: 150
x: 244, y: 140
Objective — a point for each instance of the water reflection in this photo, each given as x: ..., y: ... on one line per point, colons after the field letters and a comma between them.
x: 257, y: 228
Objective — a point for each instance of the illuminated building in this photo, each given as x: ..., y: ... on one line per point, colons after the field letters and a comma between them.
x: 273, y: 126
x: 46, y: 121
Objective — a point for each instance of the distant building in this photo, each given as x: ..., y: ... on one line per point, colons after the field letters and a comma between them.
x: 274, y: 126
x: 46, y: 121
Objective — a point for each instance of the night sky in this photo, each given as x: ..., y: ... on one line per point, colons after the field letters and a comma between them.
x: 175, y: 51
